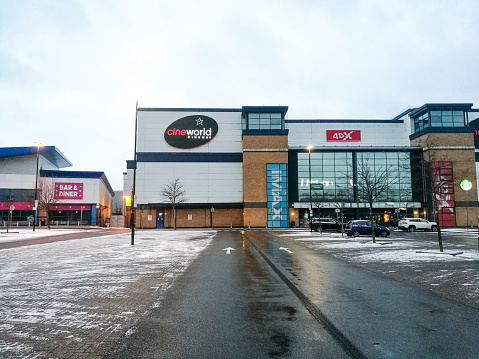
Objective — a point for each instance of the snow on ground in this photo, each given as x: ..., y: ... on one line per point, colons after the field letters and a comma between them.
x: 15, y: 234
x: 84, y: 293
x: 391, y: 250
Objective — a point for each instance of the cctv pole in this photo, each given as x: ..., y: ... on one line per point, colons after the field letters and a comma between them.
x: 132, y: 218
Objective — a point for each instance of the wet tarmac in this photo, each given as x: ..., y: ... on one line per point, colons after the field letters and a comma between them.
x: 254, y: 294
x: 229, y: 306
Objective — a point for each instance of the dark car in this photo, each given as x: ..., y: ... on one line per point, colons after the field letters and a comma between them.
x: 327, y: 224
x: 362, y: 227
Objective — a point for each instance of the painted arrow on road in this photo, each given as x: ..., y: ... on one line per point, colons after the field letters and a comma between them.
x: 228, y: 250
x: 285, y: 249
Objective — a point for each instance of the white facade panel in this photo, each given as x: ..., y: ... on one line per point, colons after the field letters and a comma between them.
x: 91, y: 189
x: 203, y: 182
x: 152, y: 126
x: 17, y: 181
x: 373, y: 133
x: 25, y: 165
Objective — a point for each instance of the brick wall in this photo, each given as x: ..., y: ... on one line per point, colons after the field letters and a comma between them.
x: 258, y: 151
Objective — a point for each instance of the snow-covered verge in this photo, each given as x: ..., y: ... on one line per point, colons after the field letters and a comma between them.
x: 392, y: 250
x: 16, y: 234
x: 79, y: 296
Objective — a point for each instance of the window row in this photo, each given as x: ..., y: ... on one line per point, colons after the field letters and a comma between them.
x: 439, y: 119
x: 264, y: 121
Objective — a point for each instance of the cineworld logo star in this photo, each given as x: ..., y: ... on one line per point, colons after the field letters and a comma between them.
x: 191, y: 131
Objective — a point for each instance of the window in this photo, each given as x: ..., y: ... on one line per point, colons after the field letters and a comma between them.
x: 421, y: 122
x: 265, y: 121
x: 447, y: 119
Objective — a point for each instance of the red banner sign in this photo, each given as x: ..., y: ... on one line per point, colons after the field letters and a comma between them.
x: 343, y: 135
x: 444, y: 191
x: 68, y: 190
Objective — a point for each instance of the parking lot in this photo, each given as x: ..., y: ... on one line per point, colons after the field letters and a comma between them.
x: 77, y: 297
x: 411, y: 257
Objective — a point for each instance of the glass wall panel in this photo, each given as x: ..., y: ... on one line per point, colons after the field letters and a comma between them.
x: 458, y: 118
x: 265, y: 121
x: 334, y: 172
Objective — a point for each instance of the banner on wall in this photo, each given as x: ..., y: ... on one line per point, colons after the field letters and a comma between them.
x: 343, y: 135
x: 191, y: 131
x: 444, y: 189
x: 277, y: 195
x: 68, y: 190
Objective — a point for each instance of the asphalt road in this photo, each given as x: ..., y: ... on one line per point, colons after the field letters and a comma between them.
x: 274, y: 298
x: 229, y: 306
x: 382, y: 317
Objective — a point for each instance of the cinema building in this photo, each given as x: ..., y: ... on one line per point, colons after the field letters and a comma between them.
x: 74, y: 197
x: 255, y: 167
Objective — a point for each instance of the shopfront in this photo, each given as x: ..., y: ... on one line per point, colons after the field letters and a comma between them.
x: 62, y: 197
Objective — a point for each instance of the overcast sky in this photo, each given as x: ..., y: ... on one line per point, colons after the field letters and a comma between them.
x: 71, y: 70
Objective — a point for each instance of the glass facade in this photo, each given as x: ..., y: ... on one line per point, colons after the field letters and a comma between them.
x: 447, y: 119
x: 264, y: 121
x: 439, y: 119
x: 334, y: 175
x: 331, y: 175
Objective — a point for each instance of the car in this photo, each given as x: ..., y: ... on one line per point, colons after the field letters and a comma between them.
x: 413, y: 224
x: 356, y: 228
x: 326, y: 224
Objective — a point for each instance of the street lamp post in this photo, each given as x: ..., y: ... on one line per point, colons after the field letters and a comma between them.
x: 133, y: 204
x: 310, y: 196
x: 35, y: 203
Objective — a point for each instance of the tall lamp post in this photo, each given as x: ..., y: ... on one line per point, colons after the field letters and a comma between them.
x: 133, y: 204
x: 310, y: 196
x: 35, y: 203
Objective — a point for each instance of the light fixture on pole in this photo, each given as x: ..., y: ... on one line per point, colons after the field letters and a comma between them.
x: 310, y: 147
x: 126, y: 203
x: 35, y: 203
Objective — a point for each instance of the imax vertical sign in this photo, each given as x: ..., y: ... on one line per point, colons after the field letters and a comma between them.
x: 277, y: 192
x: 191, y: 131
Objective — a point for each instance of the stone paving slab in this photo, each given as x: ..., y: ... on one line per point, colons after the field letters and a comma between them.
x: 76, y: 298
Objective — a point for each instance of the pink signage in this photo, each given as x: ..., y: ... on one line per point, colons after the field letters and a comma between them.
x: 343, y: 135
x: 72, y: 207
x: 444, y: 191
x: 68, y: 190
x: 19, y: 206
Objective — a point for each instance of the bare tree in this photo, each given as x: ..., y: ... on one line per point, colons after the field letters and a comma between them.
x: 372, y: 183
x: 340, y: 203
x: 434, y: 183
x: 46, y: 197
x: 174, y: 193
x: 317, y: 199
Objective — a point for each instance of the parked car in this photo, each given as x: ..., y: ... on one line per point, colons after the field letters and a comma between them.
x: 327, y: 224
x: 413, y: 224
x: 356, y: 228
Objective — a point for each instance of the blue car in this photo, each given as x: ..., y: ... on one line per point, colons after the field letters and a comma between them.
x: 356, y: 228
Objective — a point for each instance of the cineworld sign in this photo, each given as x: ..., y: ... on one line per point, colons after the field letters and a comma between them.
x: 191, y: 131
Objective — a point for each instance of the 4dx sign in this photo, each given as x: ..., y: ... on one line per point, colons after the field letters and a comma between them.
x: 343, y: 135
